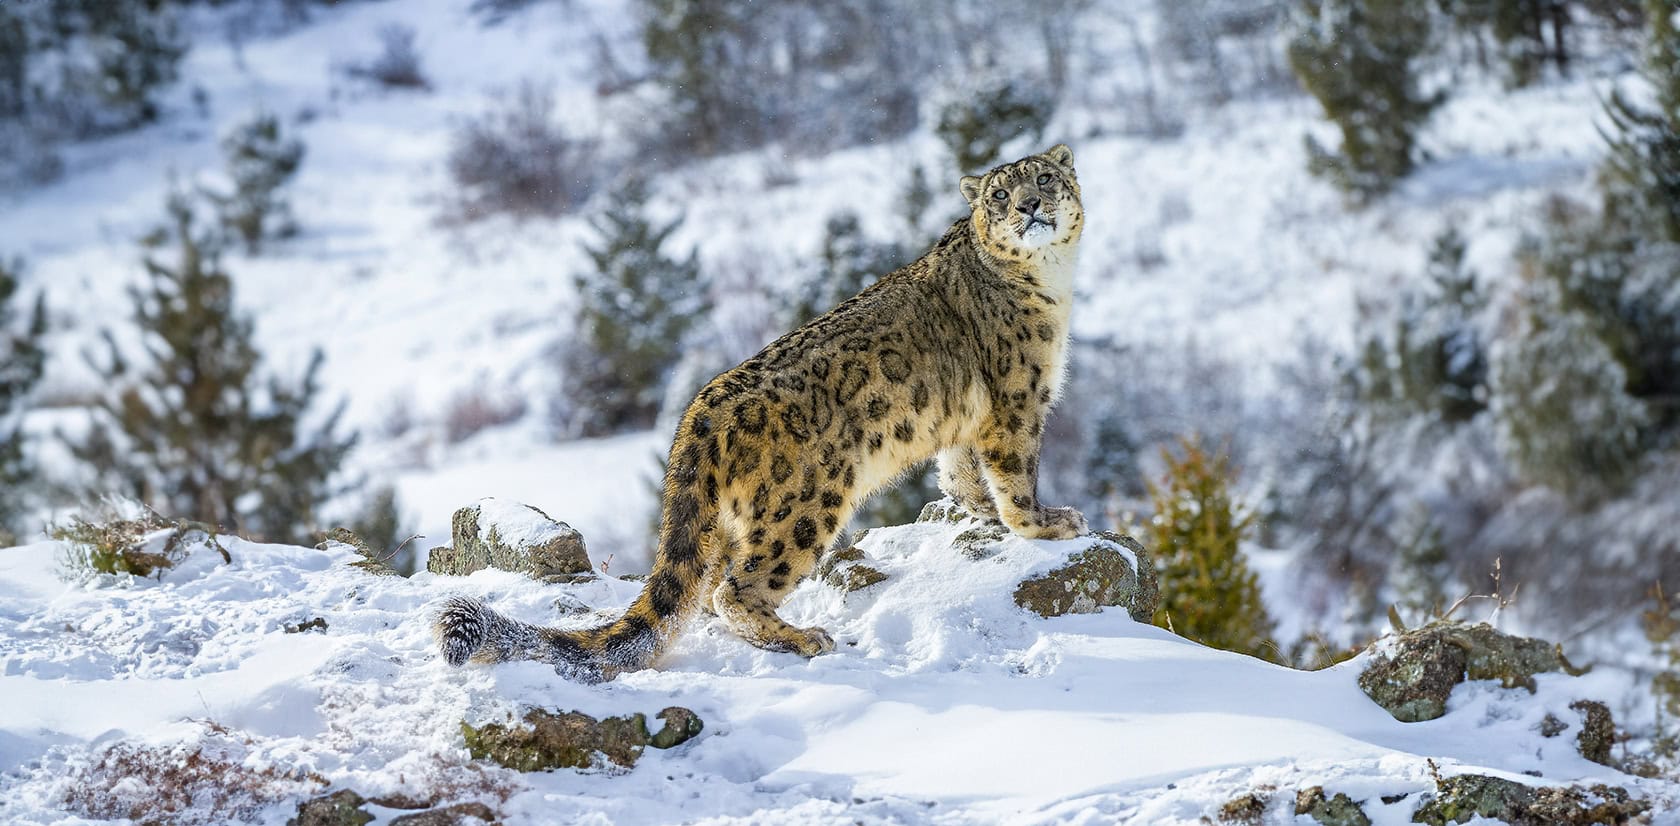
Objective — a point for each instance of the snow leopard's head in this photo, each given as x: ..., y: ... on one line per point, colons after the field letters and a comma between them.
x: 1021, y: 209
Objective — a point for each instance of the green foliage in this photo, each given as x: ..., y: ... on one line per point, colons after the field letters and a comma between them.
x: 1422, y: 569
x: 1560, y: 399
x: 1518, y: 30
x: 1112, y: 470
x: 21, y: 362
x: 975, y: 126
x: 380, y: 524
x: 260, y: 161
x: 1433, y: 362
x: 1208, y: 594
x: 89, y: 65
x: 636, y: 307
x: 195, y: 432
x: 1641, y: 178
x: 1359, y: 59
x: 114, y: 543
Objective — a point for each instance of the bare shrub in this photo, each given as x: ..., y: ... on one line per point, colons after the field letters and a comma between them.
x: 397, y: 66
x: 209, y: 779
x: 515, y: 159
x: 474, y: 409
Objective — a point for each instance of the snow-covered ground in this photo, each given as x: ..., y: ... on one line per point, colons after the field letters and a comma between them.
x: 943, y: 703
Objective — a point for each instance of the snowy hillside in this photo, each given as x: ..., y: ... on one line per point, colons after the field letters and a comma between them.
x: 288, y: 673
x: 1215, y: 240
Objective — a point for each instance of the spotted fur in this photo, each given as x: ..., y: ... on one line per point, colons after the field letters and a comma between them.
x: 958, y: 356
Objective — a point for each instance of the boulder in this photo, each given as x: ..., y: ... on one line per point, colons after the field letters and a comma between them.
x: 341, y: 808
x: 509, y: 536
x: 1466, y: 796
x: 551, y: 740
x: 456, y: 815
x: 943, y: 510
x: 1411, y: 675
x: 1598, y: 731
x: 1339, y: 810
x: 1114, y: 570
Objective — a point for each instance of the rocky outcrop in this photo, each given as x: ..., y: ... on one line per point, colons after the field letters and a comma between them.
x: 552, y: 740
x: 1336, y: 810
x: 1411, y: 675
x: 509, y: 536
x: 1114, y: 570
x: 341, y: 808
x: 1466, y: 796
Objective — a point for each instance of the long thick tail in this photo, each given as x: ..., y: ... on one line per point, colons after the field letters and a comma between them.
x: 469, y: 631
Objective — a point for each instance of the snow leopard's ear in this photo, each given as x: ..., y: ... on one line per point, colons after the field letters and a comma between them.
x: 1061, y: 155
x: 970, y: 187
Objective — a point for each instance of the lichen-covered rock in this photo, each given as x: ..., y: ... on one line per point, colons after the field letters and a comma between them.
x: 1248, y: 809
x: 844, y: 569
x: 1413, y: 674
x: 1598, y: 731
x: 512, y: 537
x: 341, y: 808
x: 1339, y: 810
x: 981, y: 542
x: 572, y: 739
x: 1114, y: 571
x: 459, y: 814
x: 1458, y: 799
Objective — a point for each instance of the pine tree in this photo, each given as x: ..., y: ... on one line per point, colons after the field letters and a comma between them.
x: 195, y: 432
x: 1359, y: 59
x: 1560, y: 399
x: 260, y: 161
x: 1434, y: 362
x: 21, y: 363
x: 975, y: 126
x: 1112, y: 470
x: 1208, y: 594
x: 1518, y: 30
x: 636, y: 307
x: 1642, y: 175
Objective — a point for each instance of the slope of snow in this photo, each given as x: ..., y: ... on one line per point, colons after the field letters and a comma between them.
x: 943, y: 702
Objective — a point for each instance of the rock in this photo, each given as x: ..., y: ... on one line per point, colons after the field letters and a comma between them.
x: 1248, y: 809
x: 572, y: 739
x: 460, y: 814
x: 842, y: 569
x: 1340, y: 810
x: 1598, y: 731
x: 1551, y: 726
x: 681, y: 725
x: 1413, y: 674
x: 316, y: 624
x: 1103, y: 574
x: 341, y: 808
x: 981, y: 542
x: 512, y: 537
x: 1458, y: 799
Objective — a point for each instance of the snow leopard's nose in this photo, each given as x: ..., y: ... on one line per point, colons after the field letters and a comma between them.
x: 1028, y: 206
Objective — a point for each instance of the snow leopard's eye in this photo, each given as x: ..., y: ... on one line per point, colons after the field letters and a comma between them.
x: 1000, y: 194
x: 1044, y: 179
